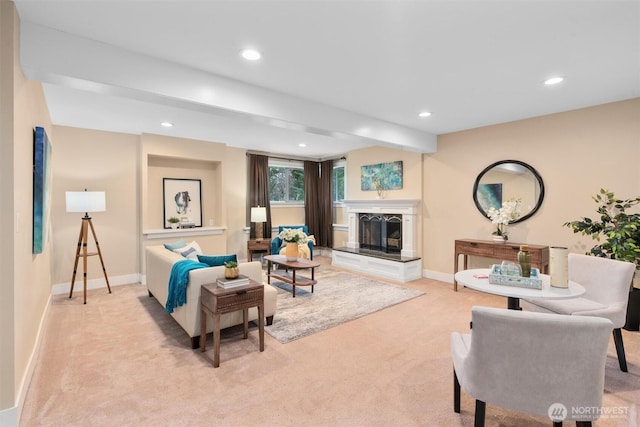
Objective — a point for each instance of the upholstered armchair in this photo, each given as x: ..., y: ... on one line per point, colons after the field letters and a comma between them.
x: 277, y: 243
x: 537, y: 363
x: 607, y: 283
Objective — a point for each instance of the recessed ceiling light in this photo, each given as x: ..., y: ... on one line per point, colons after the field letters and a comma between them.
x: 553, y: 80
x: 424, y: 114
x: 302, y: 144
x: 250, y: 54
x: 167, y: 124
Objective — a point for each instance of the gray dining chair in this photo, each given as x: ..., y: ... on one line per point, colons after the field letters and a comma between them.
x: 537, y: 363
x: 607, y: 283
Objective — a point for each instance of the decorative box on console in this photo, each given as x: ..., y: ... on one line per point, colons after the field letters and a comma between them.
x: 533, y: 282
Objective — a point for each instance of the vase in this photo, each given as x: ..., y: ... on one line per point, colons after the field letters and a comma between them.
x: 291, y: 251
x: 231, y: 272
x: 524, y: 259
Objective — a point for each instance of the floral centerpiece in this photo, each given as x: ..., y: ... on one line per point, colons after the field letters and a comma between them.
x: 509, y: 211
x: 294, y: 235
x: 293, y: 239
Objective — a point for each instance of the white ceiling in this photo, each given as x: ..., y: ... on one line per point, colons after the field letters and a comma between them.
x: 336, y: 75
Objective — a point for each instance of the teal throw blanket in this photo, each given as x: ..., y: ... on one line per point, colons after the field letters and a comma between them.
x: 178, y: 282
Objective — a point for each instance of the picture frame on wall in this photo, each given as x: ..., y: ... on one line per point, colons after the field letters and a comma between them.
x: 41, y: 188
x: 182, y: 198
x: 381, y: 176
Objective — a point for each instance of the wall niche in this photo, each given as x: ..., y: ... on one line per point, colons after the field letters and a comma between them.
x: 208, y: 172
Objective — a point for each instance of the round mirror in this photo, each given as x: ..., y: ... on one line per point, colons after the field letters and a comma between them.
x: 509, y: 180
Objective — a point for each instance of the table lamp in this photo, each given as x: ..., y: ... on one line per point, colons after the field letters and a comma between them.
x: 86, y: 201
x: 259, y: 216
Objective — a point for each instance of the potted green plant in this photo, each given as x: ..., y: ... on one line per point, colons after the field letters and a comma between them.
x: 173, y: 221
x: 618, y: 235
x: 231, y: 270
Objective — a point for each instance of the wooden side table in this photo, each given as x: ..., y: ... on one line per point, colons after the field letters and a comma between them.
x: 502, y: 251
x: 263, y: 245
x: 215, y: 301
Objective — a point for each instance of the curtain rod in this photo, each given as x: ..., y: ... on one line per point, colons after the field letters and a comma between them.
x: 299, y: 159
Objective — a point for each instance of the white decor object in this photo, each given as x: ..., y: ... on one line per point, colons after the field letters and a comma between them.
x: 558, y: 266
x: 85, y: 201
x: 259, y: 216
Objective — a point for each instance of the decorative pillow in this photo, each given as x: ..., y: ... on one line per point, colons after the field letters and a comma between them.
x: 175, y: 245
x: 191, y: 251
x: 217, y: 260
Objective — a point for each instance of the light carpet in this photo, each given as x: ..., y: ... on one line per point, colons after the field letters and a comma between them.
x: 338, y: 297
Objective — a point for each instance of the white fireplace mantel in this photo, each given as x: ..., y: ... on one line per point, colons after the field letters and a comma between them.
x: 408, y: 208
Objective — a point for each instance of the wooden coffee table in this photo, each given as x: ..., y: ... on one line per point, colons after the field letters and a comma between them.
x: 291, y: 277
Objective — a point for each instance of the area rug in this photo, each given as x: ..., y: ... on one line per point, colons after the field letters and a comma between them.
x: 338, y: 297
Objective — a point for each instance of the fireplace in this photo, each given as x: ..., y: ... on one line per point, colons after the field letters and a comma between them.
x: 383, y: 239
x: 380, y: 232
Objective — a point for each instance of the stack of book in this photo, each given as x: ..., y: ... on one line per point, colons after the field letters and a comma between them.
x: 225, y: 283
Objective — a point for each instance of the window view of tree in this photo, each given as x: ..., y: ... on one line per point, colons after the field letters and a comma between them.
x: 286, y: 184
x: 338, y: 183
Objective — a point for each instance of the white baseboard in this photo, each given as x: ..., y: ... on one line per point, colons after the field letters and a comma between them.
x: 127, y: 279
x: 437, y: 275
x: 10, y: 417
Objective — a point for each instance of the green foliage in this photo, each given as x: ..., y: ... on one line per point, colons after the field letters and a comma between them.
x: 617, y: 231
x: 231, y: 264
x: 173, y: 220
x: 338, y: 184
x: 286, y: 184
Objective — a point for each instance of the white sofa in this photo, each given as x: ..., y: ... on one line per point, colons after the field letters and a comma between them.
x: 159, y: 262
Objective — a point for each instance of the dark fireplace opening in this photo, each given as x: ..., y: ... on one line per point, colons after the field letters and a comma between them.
x: 380, y: 232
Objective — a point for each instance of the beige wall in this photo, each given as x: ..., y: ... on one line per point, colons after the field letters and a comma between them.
x: 25, y: 288
x: 97, y: 161
x: 7, y: 233
x: 575, y: 152
x: 235, y: 191
x: 411, y: 172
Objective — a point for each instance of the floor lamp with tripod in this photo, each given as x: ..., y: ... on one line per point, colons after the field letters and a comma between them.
x: 86, y: 201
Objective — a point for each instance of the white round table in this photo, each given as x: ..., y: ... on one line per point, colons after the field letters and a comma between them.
x: 478, y: 279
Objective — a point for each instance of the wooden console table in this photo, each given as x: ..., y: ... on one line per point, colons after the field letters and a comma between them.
x: 502, y: 251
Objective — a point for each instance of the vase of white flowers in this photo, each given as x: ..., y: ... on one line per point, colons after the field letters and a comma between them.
x: 509, y: 211
x: 293, y: 237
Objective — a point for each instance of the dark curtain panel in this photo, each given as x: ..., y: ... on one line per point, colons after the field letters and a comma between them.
x: 311, y: 200
x: 259, y: 192
x: 325, y: 235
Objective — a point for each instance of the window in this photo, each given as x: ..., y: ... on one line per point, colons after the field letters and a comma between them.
x: 338, y: 181
x: 286, y: 182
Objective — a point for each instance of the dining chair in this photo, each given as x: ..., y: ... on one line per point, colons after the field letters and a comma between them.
x: 537, y: 363
x: 607, y: 283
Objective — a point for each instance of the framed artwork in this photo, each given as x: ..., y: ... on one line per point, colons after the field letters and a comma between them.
x: 182, y: 199
x: 385, y: 176
x: 490, y: 196
x: 41, y: 188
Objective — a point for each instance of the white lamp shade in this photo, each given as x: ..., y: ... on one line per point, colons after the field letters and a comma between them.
x: 259, y: 214
x: 86, y: 201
